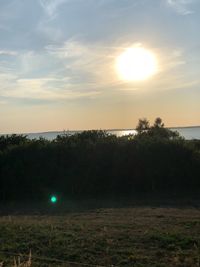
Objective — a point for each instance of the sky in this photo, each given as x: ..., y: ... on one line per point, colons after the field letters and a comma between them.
x: 58, y: 64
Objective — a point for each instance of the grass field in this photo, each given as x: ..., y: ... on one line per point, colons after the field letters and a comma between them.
x: 139, y: 237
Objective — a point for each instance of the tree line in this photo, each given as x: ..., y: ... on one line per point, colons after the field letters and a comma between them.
x: 98, y: 164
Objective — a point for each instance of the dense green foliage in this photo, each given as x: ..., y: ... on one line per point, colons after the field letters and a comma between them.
x: 97, y: 164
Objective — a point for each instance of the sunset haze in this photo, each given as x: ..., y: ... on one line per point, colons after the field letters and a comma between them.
x: 58, y: 64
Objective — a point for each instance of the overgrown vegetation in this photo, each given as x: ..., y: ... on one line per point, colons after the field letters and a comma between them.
x: 97, y: 164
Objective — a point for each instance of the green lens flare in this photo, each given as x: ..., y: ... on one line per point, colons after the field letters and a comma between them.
x: 53, y: 199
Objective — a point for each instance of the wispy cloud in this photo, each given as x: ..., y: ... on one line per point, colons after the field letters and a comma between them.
x: 171, y: 60
x: 75, y: 70
x: 86, y: 63
x: 45, y: 25
x: 51, y: 6
x: 47, y: 75
x: 41, y: 89
x: 183, y: 7
x: 8, y: 52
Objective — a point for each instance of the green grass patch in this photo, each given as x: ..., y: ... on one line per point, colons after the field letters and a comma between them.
x: 139, y: 237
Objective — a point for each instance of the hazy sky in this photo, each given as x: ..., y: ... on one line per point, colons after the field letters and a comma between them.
x: 57, y: 63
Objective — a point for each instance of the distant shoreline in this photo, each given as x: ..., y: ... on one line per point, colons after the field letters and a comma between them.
x: 107, y: 130
x: 179, y: 127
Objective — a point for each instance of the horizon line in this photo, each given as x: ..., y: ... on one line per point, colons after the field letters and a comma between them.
x: 100, y: 129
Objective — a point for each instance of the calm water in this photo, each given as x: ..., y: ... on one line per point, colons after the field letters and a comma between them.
x: 188, y: 132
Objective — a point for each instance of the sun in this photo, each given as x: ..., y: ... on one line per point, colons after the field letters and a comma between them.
x: 136, y: 64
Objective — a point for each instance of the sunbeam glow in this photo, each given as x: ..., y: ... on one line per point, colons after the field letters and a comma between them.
x: 136, y: 64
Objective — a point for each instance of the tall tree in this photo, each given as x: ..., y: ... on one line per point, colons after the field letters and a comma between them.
x: 143, y: 126
x: 158, y: 123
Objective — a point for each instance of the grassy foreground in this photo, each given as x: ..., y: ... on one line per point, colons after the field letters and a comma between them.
x: 139, y: 237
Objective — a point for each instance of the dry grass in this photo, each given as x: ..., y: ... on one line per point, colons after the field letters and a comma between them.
x: 19, y: 263
x: 139, y: 237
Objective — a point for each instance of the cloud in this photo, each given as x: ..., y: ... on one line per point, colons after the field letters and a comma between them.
x: 70, y: 71
x: 181, y: 6
x: 39, y: 88
x: 70, y: 49
x: 171, y: 60
x: 51, y: 6
x: 46, y: 25
x: 75, y: 70
x: 93, y: 66
x: 44, y: 76
x: 6, y: 79
x: 8, y: 53
x: 86, y: 63
x: 42, y: 90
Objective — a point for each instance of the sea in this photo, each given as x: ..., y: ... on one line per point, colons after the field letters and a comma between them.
x: 188, y: 133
